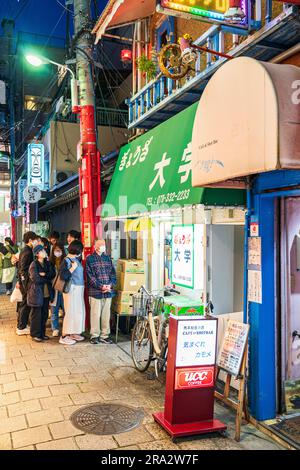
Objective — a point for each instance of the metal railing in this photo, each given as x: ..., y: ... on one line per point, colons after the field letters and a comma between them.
x: 157, y: 94
x: 161, y: 88
x: 111, y: 117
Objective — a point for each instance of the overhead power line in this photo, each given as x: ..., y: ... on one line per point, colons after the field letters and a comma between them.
x: 22, y: 7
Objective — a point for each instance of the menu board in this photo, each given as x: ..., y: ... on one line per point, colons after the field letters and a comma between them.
x: 233, y: 347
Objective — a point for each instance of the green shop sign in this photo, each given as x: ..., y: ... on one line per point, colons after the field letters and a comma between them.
x: 154, y: 173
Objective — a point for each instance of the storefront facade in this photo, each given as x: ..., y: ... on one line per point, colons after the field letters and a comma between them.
x: 251, y: 135
x: 151, y: 192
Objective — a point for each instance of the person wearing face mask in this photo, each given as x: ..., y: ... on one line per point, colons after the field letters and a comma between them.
x: 58, y: 254
x: 9, y: 269
x: 25, y: 260
x: 71, y: 271
x: 101, y: 278
x: 40, y: 292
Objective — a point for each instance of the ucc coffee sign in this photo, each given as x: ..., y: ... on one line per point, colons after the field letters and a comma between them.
x: 194, y: 377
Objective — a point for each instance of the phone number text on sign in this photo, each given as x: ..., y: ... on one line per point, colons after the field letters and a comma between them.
x: 169, y: 197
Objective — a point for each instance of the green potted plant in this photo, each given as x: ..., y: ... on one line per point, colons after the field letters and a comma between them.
x: 147, y: 66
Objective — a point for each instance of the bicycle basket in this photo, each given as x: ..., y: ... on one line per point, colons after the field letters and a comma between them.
x: 139, y: 304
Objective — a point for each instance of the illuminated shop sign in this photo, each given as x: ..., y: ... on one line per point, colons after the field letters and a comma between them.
x: 35, y: 169
x: 207, y: 10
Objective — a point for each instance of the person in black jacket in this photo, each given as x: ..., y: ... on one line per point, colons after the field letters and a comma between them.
x: 25, y: 260
x: 40, y: 293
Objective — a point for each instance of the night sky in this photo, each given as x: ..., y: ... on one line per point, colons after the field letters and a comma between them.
x: 38, y: 16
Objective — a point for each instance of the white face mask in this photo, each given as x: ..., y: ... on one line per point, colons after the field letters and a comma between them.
x: 57, y: 254
x: 43, y: 254
x: 101, y: 250
x: 35, y: 243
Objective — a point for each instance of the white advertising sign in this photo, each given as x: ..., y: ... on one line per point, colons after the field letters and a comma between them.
x: 187, y: 256
x: 35, y: 169
x: 196, y: 343
x: 32, y: 194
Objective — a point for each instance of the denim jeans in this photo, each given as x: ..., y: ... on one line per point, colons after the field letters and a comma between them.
x: 55, y: 312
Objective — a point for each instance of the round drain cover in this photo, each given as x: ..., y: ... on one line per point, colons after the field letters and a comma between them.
x: 107, y: 418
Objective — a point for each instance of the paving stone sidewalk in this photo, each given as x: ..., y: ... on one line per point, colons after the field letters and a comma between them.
x: 42, y: 384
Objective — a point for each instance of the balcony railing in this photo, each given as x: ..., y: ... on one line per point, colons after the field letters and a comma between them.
x: 162, y: 97
x: 111, y: 117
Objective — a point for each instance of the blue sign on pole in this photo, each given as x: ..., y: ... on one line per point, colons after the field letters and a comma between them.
x: 35, y: 169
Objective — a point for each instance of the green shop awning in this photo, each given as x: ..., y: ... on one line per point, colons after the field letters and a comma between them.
x: 154, y: 173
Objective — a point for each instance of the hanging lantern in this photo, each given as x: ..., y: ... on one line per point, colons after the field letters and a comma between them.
x: 126, y: 56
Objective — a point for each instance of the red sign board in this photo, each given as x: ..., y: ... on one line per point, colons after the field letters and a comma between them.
x: 194, y: 377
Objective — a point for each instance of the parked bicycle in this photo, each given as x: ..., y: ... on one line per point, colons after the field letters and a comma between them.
x: 149, y: 339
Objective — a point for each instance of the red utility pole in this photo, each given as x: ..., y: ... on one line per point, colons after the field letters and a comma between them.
x: 89, y: 172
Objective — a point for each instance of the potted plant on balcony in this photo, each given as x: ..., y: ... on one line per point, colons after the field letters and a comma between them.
x: 147, y: 67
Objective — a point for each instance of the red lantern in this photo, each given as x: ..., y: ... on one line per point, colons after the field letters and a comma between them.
x: 126, y: 56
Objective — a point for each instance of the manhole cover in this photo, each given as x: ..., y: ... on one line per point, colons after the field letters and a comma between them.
x: 107, y: 418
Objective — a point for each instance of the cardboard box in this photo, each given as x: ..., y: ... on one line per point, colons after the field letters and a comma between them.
x: 124, y: 308
x: 124, y: 296
x: 130, y: 281
x: 182, y: 305
x: 131, y: 266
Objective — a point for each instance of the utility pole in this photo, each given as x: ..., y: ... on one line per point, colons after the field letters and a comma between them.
x: 89, y: 172
x: 8, y: 27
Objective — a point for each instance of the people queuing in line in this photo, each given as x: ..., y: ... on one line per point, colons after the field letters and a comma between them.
x: 40, y: 292
x: 72, y: 236
x: 53, y: 239
x: 47, y: 277
x: 101, y: 277
x: 8, y: 252
x: 57, y: 256
x: 25, y: 259
x: 71, y: 271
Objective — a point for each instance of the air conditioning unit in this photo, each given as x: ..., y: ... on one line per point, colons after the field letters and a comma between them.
x: 62, y: 176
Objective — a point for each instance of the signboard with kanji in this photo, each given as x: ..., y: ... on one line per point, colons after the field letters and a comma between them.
x: 187, y: 256
x: 32, y: 194
x: 196, y: 343
x: 183, y: 255
x: 233, y: 347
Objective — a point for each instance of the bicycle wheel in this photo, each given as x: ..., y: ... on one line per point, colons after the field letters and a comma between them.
x: 141, y: 345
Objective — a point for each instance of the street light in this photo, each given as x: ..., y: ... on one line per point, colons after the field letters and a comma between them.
x: 37, y: 61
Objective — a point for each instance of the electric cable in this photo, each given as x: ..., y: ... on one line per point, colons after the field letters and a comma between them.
x: 22, y: 7
x: 65, y: 8
x: 53, y: 30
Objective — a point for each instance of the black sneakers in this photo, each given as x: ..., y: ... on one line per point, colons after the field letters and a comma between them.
x: 106, y: 341
x: 94, y: 341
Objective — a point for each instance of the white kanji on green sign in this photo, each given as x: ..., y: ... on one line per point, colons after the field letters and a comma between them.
x: 186, y: 168
x: 159, y: 166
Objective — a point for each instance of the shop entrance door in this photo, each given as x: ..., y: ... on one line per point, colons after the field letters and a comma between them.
x: 290, y: 299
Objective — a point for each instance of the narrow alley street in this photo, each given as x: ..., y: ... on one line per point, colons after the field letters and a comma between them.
x: 43, y: 384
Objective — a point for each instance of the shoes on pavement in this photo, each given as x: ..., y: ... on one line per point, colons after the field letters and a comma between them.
x: 106, y: 341
x: 45, y: 337
x: 25, y: 331
x: 67, y: 340
x: 95, y: 340
x: 77, y: 337
x: 55, y: 333
x: 37, y: 339
x: 8, y: 292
